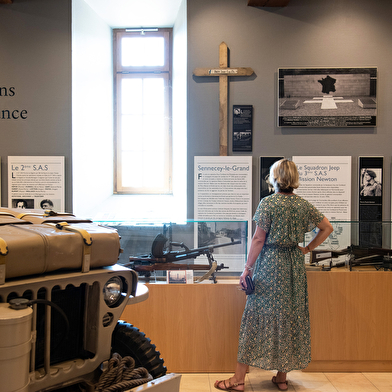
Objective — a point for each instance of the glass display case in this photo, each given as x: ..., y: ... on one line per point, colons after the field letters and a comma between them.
x: 214, y: 247
x: 353, y: 245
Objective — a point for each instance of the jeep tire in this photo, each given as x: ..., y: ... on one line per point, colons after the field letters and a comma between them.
x: 127, y: 340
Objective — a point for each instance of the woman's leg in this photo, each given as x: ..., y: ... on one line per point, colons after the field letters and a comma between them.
x: 280, y: 381
x: 237, y: 381
x: 281, y: 377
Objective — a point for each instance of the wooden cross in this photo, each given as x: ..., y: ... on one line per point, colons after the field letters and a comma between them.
x: 223, y: 72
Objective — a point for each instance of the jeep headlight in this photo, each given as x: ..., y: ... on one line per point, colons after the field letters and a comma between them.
x: 112, y: 291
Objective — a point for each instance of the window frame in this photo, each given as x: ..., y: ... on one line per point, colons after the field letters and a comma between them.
x: 123, y: 72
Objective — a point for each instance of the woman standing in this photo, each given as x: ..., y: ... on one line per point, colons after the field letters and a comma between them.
x: 275, y: 327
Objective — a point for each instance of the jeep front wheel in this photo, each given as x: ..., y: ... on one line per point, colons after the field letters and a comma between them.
x: 127, y: 340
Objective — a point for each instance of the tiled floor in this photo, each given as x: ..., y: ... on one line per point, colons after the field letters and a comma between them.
x: 260, y: 380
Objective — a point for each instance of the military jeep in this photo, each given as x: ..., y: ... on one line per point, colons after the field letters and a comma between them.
x: 59, y: 331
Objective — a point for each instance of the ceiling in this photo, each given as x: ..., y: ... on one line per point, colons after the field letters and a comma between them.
x: 136, y: 13
x: 148, y: 13
x: 133, y: 13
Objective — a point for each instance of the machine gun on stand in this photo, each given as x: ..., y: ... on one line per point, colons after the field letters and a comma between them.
x: 380, y: 258
x: 159, y: 259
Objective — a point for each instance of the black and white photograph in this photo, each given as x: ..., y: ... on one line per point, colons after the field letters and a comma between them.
x: 327, y: 97
x: 23, y: 203
x: 371, y: 182
x: 266, y: 187
x: 176, y: 276
x: 228, y: 237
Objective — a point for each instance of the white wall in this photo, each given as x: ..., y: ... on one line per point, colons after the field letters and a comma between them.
x: 180, y: 108
x: 93, y: 126
x: 92, y: 115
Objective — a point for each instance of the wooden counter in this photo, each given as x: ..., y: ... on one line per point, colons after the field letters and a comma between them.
x: 195, y: 326
x: 351, y: 320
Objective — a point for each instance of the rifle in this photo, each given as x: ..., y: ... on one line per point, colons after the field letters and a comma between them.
x: 379, y: 257
x: 160, y: 259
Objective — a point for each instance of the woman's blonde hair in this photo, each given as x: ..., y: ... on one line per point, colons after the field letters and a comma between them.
x: 284, y: 176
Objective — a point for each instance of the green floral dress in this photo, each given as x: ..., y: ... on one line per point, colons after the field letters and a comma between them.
x: 275, y: 327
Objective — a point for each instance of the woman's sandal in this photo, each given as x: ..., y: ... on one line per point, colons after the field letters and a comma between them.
x: 231, y: 387
x: 280, y: 384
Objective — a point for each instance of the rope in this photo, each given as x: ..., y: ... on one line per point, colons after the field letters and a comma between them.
x: 121, y: 375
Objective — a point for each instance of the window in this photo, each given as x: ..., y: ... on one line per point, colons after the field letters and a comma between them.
x: 143, y: 141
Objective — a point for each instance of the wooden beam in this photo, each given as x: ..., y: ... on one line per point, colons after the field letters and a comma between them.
x: 223, y: 103
x: 268, y: 3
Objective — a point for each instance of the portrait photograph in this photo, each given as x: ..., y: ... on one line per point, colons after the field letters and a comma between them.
x: 265, y: 164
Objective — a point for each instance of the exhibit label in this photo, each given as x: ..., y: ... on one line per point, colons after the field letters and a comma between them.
x: 223, y: 188
x: 223, y: 192
x: 242, y: 127
x: 370, y: 201
x: 36, y: 182
x: 326, y: 183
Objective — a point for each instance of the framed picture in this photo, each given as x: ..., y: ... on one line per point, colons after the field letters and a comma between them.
x: 179, y: 276
x: 266, y: 188
x: 327, y: 97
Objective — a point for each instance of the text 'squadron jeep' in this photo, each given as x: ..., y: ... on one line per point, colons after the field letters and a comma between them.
x: 61, y: 298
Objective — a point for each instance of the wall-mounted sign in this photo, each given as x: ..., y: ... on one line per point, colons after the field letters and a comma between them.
x: 370, y: 201
x: 242, y: 127
x: 36, y: 182
x: 223, y: 192
x: 325, y: 181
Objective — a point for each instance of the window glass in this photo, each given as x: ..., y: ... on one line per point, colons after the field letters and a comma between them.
x: 142, y: 51
x: 143, y: 145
